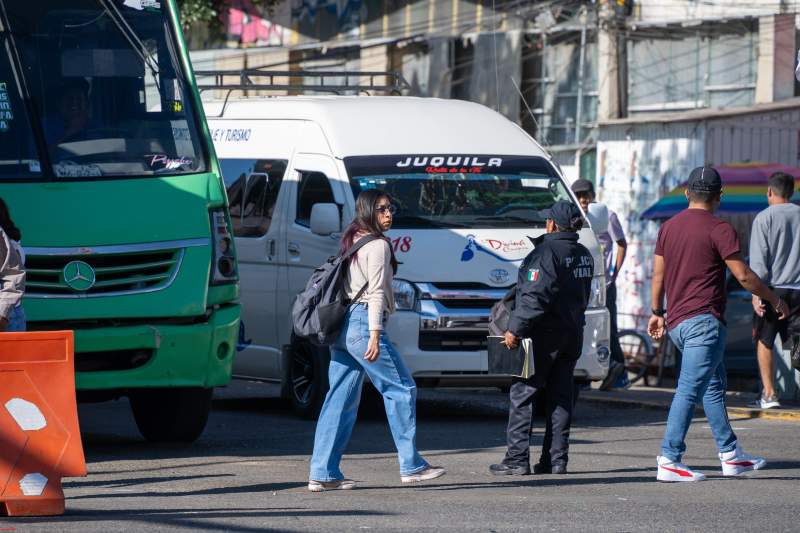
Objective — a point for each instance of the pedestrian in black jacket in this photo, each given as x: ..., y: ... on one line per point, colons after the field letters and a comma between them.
x: 552, y: 295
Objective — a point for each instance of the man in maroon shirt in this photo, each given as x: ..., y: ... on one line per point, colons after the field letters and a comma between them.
x: 692, y: 252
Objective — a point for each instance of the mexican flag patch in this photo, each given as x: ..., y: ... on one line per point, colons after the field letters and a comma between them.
x: 533, y: 274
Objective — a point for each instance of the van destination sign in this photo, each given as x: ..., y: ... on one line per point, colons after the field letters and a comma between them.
x: 446, y: 164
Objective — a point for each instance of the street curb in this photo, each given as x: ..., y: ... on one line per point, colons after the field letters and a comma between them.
x: 792, y: 415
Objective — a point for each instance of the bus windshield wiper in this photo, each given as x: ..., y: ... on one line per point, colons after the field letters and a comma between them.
x: 133, y: 39
x: 422, y: 222
x: 506, y: 218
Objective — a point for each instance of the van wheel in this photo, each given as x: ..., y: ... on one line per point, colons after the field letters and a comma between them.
x: 176, y: 414
x: 307, y: 378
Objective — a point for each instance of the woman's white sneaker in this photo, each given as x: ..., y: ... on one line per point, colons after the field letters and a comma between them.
x: 432, y: 472
x: 337, y: 484
x: 669, y: 470
x: 737, y: 462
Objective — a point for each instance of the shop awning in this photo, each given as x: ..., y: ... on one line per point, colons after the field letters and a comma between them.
x: 744, y: 187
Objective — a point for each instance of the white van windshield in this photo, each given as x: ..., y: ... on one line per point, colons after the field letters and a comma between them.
x: 461, y: 191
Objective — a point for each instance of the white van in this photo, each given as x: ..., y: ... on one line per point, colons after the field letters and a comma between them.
x: 468, y: 185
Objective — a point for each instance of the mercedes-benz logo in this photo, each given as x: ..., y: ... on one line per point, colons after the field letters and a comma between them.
x: 79, y: 276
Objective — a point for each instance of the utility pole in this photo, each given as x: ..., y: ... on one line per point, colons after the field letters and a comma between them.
x: 581, y: 69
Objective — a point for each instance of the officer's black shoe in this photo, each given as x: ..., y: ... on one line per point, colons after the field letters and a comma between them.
x: 503, y: 469
x: 540, y: 468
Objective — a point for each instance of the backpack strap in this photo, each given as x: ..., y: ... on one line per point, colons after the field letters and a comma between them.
x: 349, y: 253
x: 363, y: 241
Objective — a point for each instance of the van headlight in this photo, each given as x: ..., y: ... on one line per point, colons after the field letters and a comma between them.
x: 405, y: 295
x: 597, y: 296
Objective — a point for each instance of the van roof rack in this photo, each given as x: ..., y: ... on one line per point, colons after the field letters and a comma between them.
x: 342, y: 81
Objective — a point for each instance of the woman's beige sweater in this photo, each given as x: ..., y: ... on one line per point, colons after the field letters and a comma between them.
x: 372, y: 267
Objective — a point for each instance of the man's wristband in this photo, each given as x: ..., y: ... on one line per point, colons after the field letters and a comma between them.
x: 659, y: 312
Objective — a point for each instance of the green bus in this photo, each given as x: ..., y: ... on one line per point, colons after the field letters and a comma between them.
x: 108, y: 169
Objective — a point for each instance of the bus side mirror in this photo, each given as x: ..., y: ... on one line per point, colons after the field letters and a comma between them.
x: 598, y: 217
x: 325, y: 219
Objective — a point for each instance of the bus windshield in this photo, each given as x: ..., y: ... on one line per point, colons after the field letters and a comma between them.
x: 92, y: 89
x: 461, y: 191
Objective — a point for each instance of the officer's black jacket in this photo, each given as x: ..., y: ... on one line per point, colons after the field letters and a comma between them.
x: 553, y: 287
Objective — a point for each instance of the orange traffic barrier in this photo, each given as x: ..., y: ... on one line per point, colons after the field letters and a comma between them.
x: 39, y: 437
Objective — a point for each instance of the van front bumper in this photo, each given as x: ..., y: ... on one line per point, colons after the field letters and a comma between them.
x: 470, y: 366
x: 192, y: 355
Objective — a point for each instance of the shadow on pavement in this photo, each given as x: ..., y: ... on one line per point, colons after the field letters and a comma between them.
x: 192, y: 519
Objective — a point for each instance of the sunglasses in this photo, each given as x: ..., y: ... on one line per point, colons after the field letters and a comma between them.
x: 389, y: 208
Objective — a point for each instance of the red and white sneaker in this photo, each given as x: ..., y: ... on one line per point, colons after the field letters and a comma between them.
x: 737, y: 462
x: 669, y: 470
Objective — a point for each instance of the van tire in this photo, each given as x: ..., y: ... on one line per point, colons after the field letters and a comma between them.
x: 171, y: 414
x: 306, y: 377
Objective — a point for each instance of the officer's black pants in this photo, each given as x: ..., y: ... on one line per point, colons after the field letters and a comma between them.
x: 556, y: 354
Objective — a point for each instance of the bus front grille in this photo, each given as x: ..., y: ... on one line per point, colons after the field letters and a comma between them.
x: 82, y: 276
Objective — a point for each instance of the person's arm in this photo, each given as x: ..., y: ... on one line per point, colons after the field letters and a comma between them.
x: 759, y: 258
x: 378, y: 267
x: 12, y: 279
x: 537, y: 289
x: 622, y: 250
x: 751, y: 282
x: 618, y: 236
x: 656, y: 326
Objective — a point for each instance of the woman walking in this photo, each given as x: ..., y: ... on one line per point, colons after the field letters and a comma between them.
x: 12, y: 273
x: 363, y: 347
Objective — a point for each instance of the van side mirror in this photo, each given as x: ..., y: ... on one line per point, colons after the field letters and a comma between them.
x: 598, y: 217
x: 325, y: 219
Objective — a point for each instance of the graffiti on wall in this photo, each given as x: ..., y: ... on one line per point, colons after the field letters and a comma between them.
x: 247, y: 25
x: 631, y: 176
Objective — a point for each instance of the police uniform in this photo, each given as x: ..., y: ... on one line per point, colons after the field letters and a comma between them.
x: 552, y: 295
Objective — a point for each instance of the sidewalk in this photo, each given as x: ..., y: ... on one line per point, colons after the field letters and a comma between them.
x: 660, y: 398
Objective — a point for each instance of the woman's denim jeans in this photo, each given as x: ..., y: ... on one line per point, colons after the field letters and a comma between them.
x: 346, y: 375
x: 702, y: 341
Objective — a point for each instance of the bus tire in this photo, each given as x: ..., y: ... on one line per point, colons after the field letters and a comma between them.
x: 306, y: 376
x: 171, y: 414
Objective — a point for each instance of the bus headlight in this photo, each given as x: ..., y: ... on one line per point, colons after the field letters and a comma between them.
x: 405, y: 295
x: 597, y: 296
x: 223, y: 267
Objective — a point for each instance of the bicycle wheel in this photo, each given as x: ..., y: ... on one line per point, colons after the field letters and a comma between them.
x: 638, y: 352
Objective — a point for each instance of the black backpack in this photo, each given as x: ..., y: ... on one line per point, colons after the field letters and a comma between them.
x: 318, y: 311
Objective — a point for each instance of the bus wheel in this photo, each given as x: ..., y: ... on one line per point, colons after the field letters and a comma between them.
x: 306, y: 377
x: 177, y: 414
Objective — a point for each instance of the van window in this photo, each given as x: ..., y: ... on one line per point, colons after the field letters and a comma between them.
x: 461, y: 191
x: 314, y: 189
x: 253, y: 186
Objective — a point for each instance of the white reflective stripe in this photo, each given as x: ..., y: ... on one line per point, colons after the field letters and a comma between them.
x: 32, y: 484
x: 794, y: 287
x: 26, y: 414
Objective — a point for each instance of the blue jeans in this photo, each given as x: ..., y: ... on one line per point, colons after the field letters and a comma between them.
x: 16, y: 320
x: 346, y: 376
x: 702, y: 341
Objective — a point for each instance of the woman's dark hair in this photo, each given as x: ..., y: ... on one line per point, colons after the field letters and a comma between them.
x: 7, y: 224
x: 366, y: 221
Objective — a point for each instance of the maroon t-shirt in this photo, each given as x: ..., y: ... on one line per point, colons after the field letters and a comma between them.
x: 694, y: 244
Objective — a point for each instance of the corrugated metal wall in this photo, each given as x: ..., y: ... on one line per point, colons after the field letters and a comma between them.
x: 772, y: 137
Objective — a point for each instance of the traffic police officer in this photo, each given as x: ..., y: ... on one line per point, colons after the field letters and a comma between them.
x: 551, y: 298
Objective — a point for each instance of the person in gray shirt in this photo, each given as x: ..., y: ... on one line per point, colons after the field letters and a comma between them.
x: 775, y: 257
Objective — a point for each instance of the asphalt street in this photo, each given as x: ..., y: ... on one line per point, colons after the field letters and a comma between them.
x: 248, y: 473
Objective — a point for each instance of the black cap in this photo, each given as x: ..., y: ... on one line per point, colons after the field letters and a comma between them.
x: 567, y: 215
x: 704, y: 179
x: 582, y: 185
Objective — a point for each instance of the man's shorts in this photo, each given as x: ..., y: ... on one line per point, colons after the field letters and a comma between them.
x: 767, y: 327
